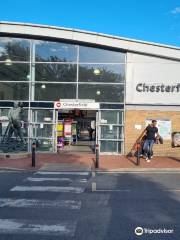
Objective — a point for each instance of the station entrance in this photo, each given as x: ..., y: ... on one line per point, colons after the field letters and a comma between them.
x: 76, y: 125
x: 81, y: 124
x: 75, y: 130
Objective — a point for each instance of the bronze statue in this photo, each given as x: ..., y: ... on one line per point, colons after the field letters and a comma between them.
x: 14, y: 122
x: 8, y: 143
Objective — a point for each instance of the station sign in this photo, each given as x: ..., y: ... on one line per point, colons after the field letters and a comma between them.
x: 76, y: 104
x: 152, y: 80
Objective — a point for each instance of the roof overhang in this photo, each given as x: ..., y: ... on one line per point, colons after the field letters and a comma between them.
x: 92, y: 38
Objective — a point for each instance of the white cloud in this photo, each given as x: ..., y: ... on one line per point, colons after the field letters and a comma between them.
x: 176, y: 10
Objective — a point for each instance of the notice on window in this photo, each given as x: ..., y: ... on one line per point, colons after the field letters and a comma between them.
x: 164, y: 127
x: 67, y: 129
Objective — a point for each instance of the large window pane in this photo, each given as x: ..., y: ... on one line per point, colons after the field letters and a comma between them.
x: 44, y: 145
x: 14, y: 91
x: 14, y: 72
x: 55, y: 52
x: 96, y: 55
x: 54, y: 92
x: 102, y: 93
x: 42, y: 130
x: 108, y: 146
x: 109, y: 117
x: 102, y: 73
x: 15, y: 49
x: 56, y: 72
x: 112, y: 117
x: 42, y: 115
x: 111, y: 132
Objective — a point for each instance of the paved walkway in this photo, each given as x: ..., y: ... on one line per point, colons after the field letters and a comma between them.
x: 42, y: 159
x: 122, y: 162
x: 85, y: 161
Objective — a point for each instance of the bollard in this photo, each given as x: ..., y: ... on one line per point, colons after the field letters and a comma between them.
x: 33, y: 154
x: 93, y: 187
x: 97, y: 156
x: 138, y: 146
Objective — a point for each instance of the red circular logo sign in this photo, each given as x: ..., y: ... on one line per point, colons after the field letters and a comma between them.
x: 58, y: 104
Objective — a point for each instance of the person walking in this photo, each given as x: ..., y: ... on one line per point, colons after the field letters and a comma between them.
x: 151, y: 133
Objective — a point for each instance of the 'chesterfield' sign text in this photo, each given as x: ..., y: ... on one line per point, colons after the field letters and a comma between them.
x: 143, y: 87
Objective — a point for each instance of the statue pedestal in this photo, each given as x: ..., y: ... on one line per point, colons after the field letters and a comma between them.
x: 14, y: 155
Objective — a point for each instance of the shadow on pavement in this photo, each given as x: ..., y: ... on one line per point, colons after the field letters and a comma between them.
x: 113, y: 215
x: 148, y: 205
x: 175, y: 159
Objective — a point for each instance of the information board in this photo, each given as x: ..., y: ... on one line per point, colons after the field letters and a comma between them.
x: 164, y: 127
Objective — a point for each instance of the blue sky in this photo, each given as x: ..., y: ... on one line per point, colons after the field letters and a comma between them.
x: 149, y: 20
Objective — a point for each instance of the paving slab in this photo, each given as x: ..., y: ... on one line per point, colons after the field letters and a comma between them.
x: 65, y: 167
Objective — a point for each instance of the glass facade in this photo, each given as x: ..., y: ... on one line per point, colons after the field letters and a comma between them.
x: 54, y: 92
x: 102, y: 92
x: 55, y: 52
x: 36, y: 70
x: 14, y: 91
x: 101, y: 73
x: 50, y: 72
x: 16, y: 49
x: 111, y: 131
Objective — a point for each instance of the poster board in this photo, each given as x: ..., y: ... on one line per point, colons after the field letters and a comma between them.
x: 60, y: 129
x: 164, y: 127
x: 67, y: 130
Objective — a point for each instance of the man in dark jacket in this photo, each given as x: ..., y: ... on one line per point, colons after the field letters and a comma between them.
x: 151, y: 133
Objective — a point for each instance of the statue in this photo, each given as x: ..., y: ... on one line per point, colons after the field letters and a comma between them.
x: 8, y: 143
